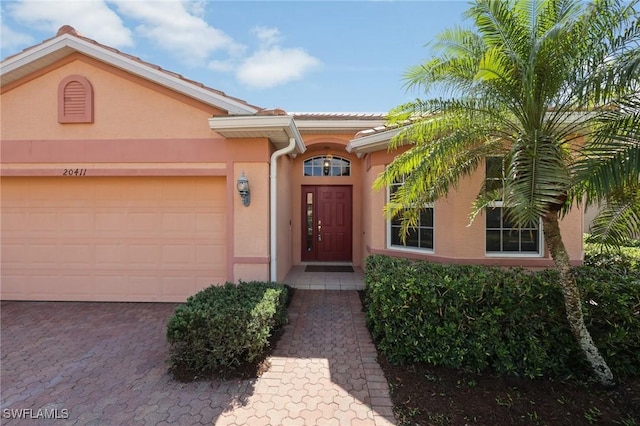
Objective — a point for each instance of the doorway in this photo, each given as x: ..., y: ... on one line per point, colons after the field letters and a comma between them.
x: 327, y: 223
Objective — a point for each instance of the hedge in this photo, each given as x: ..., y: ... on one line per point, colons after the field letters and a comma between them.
x: 223, y: 329
x: 510, y: 321
x: 625, y: 259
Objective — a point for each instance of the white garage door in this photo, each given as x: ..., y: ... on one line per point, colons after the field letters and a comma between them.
x: 111, y: 238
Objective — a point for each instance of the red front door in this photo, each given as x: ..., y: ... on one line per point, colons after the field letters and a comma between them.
x: 326, y: 223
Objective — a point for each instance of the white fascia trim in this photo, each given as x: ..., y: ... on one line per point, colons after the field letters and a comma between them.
x: 260, y: 122
x: 129, y: 65
x: 374, y: 142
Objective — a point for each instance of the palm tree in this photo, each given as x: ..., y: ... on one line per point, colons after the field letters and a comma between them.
x: 522, y: 84
x: 619, y: 218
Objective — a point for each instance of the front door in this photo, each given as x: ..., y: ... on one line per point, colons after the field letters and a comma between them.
x: 326, y: 224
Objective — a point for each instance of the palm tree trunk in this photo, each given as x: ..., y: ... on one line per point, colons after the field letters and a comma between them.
x: 572, y: 300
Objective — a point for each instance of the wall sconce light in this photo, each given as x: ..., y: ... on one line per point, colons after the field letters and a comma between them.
x: 243, y: 189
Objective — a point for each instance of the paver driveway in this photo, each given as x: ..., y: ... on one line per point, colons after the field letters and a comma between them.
x: 104, y: 363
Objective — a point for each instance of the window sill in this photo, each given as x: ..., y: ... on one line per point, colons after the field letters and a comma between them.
x: 411, y: 250
x: 512, y: 255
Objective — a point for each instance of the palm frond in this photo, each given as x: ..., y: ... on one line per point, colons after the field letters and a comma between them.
x: 610, y: 158
x: 618, y: 220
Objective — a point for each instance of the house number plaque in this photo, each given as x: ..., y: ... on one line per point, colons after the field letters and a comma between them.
x: 74, y: 172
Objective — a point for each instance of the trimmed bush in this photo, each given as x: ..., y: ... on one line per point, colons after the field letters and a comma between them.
x: 625, y: 259
x: 507, y: 320
x: 224, y: 329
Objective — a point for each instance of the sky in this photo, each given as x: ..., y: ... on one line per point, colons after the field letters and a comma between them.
x: 300, y: 56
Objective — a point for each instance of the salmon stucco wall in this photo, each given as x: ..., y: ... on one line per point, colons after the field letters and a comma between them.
x: 456, y: 239
x: 126, y: 107
x: 139, y: 128
x: 141, y: 131
x: 251, y: 224
x: 284, y: 235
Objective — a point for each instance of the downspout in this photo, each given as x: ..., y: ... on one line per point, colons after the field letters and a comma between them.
x: 273, y: 205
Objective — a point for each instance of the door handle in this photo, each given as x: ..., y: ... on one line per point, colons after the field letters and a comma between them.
x: 319, y: 230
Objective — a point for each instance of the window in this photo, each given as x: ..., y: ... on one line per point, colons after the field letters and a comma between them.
x: 327, y: 165
x: 502, y: 236
x: 419, y: 237
x: 75, y: 100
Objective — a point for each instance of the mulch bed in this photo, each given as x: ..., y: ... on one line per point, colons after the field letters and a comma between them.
x: 427, y: 395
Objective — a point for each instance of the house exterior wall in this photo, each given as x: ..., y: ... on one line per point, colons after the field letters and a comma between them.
x: 285, y: 217
x: 251, y: 224
x: 456, y: 240
x: 126, y: 107
x: 141, y: 132
x: 148, y: 144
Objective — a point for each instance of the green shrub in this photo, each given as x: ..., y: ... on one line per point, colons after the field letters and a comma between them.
x: 624, y: 259
x: 507, y: 320
x: 223, y: 329
x: 612, y: 315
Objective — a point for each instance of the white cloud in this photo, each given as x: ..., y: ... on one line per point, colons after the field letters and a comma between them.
x: 267, y: 36
x: 174, y: 26
x: 91, y: 18
x: 222, y: 66
x: 12, y: 40
x: 275, y: 66
x: 177, y: 27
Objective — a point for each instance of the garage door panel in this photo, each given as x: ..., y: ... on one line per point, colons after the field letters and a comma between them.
x: 13, y: 286
x: 123, y: 241
x: 143, y: 194
x: 144, y: 286
x: 42, y: 223
x: 77, y: 256
x: 178, y: 222
x: 144, y: 222
x: 110, y: 287
x: 210, y: 222
x: 42, y: 254
x: 77, y: 223
x: 12, y: 221
x: 110, y: 255
x: 177, y: 285
x: 174, y: 193
x: 106, y: 194
x: 13, y: 255
x: 109, y: 222
x: 144, y: 255
x: 178, y: 254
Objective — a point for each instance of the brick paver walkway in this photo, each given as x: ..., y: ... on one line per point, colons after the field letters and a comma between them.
x: 104, y: 364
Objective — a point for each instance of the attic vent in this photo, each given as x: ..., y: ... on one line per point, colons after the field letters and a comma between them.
x: 75, y: 100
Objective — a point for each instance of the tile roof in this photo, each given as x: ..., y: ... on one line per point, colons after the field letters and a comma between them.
x: 68, y: 29
x: 339, y: 115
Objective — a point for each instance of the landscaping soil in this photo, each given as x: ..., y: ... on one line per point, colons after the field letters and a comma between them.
x: 428, y: 395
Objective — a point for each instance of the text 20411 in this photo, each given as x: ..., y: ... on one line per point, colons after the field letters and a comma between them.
x: 74, y: 172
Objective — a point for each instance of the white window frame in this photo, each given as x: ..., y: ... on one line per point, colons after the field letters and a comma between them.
x: 512, y: 254
x: 539, y: 253
x: 410, y: 249
x: 330, y: 159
